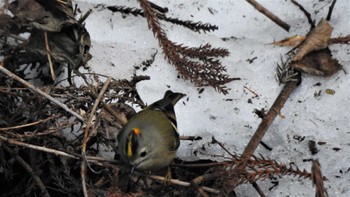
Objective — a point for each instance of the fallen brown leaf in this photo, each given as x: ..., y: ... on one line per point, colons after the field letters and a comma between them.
x: 319, y: 63
x: 292, y: 41
x: 316, y: 39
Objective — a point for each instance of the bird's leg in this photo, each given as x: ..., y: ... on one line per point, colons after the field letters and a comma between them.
x: 167, y: 177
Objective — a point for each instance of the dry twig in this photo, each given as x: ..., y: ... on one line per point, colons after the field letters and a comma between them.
x: 86, y: 133
x: 330, y: 11
x: 269, y: 14
x: 52, y: 71
x: 95, y: 160
x: 177, y: 182
x: 275, y: 109
x: 306, y: 13
x: 28, y: 125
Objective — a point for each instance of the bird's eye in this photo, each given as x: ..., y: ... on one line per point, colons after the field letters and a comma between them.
x: 143, y: 154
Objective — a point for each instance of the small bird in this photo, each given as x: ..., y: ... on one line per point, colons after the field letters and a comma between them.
x: 148, y: 142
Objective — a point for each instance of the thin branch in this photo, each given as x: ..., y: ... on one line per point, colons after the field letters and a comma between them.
x: 203, y: 165
x: 330, y: 11
x: 37, y: 90
x: 202, y: 192
x: 37, y: 134
x: 223, y: 147
x: 91, y: 159
x: 239, y: 168
x: 269, y: 117
x: 252, y: 91
x: 205, y: 177
x: 177, y: 182
x: 33, y: 134
x: 52, y: 71
x: 269, y: 14
x: 84, y: 17
x: 35, y: 147
x: 257, y: 188
x: 86, y: 134
x: 306, y: 13
x: 191, y: 138
x: 28, y: 124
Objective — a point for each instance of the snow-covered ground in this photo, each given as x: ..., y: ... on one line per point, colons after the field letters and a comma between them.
x: 120, y: 43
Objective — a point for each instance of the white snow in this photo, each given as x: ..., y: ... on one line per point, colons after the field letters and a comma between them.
x: 126, y: 42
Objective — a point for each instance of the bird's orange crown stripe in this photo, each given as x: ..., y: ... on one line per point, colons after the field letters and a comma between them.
x: 136, y: 131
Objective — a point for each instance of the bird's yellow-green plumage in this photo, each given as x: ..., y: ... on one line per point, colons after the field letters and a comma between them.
x: 150, y: 139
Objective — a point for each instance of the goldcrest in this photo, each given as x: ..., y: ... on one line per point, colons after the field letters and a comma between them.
x: 148, y: 142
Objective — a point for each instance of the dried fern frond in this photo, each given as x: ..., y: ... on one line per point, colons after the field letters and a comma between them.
x: 204, y: 72
x: 317, y: 179
x: 194, y: 26
x: 259, y: 168
x: 126, y: 10
x: 340, y: 40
